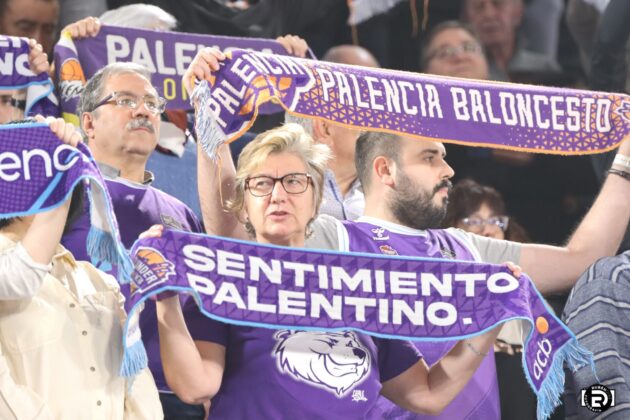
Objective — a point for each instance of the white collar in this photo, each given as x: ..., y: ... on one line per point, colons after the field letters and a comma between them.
x: 391, y: 226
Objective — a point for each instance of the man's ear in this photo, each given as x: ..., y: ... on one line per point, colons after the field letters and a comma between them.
x: 384, y: 170
x: 87, y: 124
x: 322, y: 132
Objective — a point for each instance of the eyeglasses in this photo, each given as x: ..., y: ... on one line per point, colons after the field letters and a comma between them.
x: 476, y: 224
x: 9, y: 100
x: 449, y: 51
x: 154, y: 104
x: 261, y: 186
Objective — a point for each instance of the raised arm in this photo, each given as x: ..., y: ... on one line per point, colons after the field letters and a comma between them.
x: 555, y: 269
x: 44, y: 233
x: 215, y: 180
x: 213, y: 177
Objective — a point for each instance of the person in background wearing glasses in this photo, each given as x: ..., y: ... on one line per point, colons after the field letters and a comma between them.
x: 120, y: 112
x: 480, y: 209
x: 13, y: 102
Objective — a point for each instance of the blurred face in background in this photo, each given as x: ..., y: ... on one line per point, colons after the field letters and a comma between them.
x: 8, y: 109
x: 455, y: 52
x: 495, y: 21
x: 485, y: 222
x: 36, y: 19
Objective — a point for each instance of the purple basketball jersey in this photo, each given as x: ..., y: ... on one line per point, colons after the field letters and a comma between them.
x: 283, y: 374
x: 480, y: 397
x: 137, y: 208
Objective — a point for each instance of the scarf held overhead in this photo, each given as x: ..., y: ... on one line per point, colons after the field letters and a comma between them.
x: 245, y: 283
x: 38, y: 173
x: 502, y: 115
x: 15, y: 75
x: 165, y: 54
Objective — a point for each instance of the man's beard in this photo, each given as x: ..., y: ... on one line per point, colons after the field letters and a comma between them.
x: 414, y: 208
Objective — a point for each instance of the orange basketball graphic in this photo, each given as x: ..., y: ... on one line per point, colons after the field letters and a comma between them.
x: 71, y: 70
x: 542, y: 325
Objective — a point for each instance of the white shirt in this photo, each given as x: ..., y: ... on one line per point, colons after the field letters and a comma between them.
x: 61, y: 349
x: 16, y: 263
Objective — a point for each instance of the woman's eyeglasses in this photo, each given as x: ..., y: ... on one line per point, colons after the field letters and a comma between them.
x: 476, y: 224
x: 449, y: 51
x: 261, y: 186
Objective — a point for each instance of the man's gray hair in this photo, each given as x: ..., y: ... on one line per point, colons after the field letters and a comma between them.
x: 93, y: 89
x: 306, y: 123
x: 140, y: 16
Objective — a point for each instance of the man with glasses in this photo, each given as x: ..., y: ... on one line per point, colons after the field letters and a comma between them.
x: 453, y: 49
x: 120, y: 112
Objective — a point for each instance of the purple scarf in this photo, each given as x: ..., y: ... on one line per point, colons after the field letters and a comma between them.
x: 165, y: 54
x: 38, y: 173
x: 501, y: 115
x: 267, y: 286
x: 15, y: 74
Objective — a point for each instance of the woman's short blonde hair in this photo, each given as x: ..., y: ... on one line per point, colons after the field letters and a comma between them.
x: 289, y: 138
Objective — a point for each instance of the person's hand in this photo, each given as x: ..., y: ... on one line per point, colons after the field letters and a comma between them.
x: 205, y: 62
x: 66, y: 131
x: 516, y: 270
x: 83, y: 28
x: 37, y: 58
x: 294, y: 45
x: 154, y: 231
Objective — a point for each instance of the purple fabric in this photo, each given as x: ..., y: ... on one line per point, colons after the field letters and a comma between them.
x: 518, y: 117
x: 480, y: 397
x: 272, y: 366
x: 256, y: 285
x: 137, y: 208
x: 166, y: 54
x: 15, y: 73
x: 38, y: 172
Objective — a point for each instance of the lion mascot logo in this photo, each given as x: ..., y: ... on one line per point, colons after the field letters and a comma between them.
x: 334, y: 361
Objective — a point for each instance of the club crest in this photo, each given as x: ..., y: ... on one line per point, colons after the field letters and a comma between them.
x: 150, y: 269
x: 333, y: 361
x: 387, y: 250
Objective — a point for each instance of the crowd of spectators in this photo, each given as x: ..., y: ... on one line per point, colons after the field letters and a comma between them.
x: 151, y: 169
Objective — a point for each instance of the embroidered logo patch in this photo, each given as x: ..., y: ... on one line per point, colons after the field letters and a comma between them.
x: 388, y: 250
x: 447, y: 253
